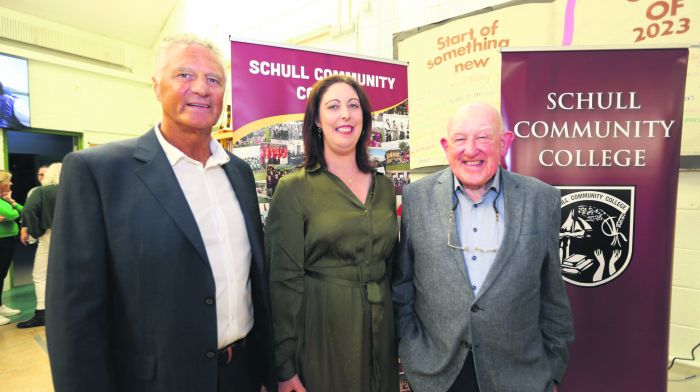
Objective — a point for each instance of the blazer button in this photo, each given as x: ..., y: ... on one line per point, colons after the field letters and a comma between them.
x: 209, y: 301
x: 211, y: 354
x: 465, y: 344
x: 475, y: 308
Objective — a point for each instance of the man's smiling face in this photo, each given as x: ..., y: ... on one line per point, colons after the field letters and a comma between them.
x: 190, y: 86
x: 474, y: 145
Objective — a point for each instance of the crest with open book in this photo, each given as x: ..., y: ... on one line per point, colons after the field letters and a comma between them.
x: 595, y: 237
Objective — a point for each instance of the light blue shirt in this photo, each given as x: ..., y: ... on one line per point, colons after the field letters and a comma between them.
x: 480, y: 229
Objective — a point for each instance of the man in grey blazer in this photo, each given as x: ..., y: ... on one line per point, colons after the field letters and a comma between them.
x: 156, y: 276
x: 477, y: 289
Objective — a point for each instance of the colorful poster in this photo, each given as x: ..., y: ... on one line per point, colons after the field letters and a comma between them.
x: 611, y: 142
x: 270, y: 85
x: 457, y: 61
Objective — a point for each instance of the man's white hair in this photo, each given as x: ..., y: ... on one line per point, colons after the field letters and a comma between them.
x: 182, y: 39
x: 52, y: 174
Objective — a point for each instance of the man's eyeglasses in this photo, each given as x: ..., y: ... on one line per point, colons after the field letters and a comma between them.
x: 477, y: 248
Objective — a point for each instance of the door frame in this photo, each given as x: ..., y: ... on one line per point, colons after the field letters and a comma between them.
x: 77, y: 145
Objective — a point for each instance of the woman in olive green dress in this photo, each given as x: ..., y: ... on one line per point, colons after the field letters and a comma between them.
x: 330, y: 239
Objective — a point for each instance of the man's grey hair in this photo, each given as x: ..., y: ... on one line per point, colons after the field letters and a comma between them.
x: 52, y: 175
x: 183, y: 39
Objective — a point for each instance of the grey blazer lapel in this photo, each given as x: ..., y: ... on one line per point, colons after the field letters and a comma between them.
x: 158, y: 176
x: 444, y: 194
x: 514, y: 205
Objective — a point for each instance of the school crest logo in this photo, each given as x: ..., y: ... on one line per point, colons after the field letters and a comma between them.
x: 595, y: 238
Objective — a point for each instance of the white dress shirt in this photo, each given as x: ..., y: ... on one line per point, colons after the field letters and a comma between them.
x: 221, y: 224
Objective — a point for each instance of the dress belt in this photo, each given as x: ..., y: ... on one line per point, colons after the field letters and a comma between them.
x: 375, y: 300
x: 374, y: 294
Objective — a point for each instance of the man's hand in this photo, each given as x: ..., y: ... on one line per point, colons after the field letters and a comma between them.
x: 293, y: 384
x: 23, y: 236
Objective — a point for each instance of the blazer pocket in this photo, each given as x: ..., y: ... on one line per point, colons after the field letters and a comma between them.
x: 140, y: 367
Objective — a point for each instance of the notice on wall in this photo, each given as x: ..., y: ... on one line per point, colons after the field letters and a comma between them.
x: 458, y: 61
x: 646, y: 23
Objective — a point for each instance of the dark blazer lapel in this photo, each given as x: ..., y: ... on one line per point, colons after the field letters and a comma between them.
x: 514, y: 205
x: 444, y: 189
x: 158, y: 176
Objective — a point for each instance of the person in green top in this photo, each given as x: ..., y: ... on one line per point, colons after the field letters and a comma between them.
x: 330, y: 240
x: 9, y: 213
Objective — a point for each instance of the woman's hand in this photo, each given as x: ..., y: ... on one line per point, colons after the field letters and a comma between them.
x: 293, y: 384
x: 7, y: 196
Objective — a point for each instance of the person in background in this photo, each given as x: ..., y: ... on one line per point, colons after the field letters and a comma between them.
x: 24, y: 236
x: 10, y: 211
x: 14, y: 113
x: 37, y: 218
x: 330, y: 239
x: 157, y: 276
x: 479, y: 297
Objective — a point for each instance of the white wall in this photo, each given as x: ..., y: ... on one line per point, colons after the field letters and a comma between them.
x: 70, y: 93
x: 685, y: 305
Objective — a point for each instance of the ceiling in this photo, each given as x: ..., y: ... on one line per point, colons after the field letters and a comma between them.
x: 134, y: 21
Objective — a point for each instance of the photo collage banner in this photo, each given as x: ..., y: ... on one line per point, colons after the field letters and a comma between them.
x: 270, y: 85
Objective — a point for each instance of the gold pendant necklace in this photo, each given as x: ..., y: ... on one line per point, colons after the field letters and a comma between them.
x: 351, y: 178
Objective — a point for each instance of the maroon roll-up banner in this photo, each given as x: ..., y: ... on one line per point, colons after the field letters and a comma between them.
x: 605, y: 127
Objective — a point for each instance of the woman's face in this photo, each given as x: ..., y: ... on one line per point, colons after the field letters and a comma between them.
x: 340, y: 119
x: 5, y: 186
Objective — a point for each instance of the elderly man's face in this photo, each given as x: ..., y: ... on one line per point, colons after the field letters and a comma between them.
x: 190, y: 88
x: 474, y: 146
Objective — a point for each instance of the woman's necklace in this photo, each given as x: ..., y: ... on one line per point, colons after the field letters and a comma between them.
x: 347, y: 179
x: 351, y: 178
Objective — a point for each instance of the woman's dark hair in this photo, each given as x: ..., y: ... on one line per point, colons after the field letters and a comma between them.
x: 313, y: 144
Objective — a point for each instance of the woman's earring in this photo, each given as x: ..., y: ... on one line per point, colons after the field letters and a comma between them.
x: 319, y: 132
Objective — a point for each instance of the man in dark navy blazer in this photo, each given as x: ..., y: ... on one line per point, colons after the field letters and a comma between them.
x: 156, y: 277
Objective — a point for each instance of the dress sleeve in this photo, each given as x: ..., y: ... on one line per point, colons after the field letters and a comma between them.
x: 284, y: 245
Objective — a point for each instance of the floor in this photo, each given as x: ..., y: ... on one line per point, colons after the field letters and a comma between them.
x: 24, y: 364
